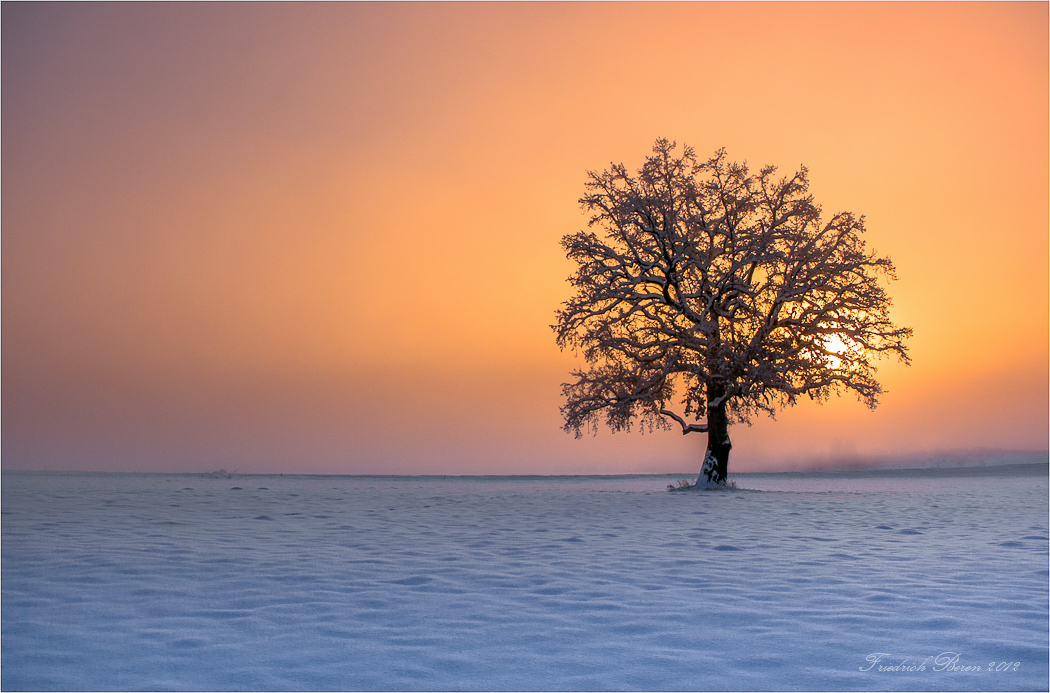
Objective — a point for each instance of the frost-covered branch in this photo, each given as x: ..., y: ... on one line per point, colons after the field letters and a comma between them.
x: 686, y: 427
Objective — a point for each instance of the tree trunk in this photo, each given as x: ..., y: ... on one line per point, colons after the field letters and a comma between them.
x: 716, y: 460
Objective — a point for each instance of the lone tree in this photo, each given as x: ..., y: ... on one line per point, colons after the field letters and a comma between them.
x: 712, y: 294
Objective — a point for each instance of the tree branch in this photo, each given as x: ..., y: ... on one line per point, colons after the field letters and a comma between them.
x: 686, y: 427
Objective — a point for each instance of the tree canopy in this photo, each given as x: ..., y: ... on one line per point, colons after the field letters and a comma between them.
x: 710, y: 293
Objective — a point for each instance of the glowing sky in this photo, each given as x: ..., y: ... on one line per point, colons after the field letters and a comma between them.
x: 324, y: 237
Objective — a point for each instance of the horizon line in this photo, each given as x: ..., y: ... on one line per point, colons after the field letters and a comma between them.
x: 223, y: 474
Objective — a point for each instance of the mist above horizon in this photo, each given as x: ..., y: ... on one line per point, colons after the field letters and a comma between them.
x: 324, y: 238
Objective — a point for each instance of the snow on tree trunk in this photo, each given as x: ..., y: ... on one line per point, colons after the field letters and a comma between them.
x: 715, y: 469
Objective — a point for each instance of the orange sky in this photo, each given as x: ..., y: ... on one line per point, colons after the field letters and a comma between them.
x: 324, y: 237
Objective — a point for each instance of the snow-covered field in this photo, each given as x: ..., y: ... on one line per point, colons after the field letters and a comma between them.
x: 794, y: 581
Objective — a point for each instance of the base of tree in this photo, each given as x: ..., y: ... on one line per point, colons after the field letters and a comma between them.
x: 716, y: 463
x: 699, y: 485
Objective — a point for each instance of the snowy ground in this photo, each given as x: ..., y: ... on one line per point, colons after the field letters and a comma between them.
x: 796, y: 581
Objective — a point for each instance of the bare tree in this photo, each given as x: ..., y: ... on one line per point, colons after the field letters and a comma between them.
x: 712, y: 294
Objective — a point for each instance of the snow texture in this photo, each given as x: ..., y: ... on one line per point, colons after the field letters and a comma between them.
x: 791, y: 581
